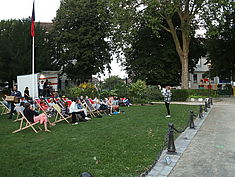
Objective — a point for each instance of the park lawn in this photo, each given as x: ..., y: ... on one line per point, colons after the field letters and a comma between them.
x: 123, y: 145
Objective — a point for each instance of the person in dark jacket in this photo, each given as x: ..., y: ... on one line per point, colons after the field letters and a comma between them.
x: 32, y: 116
x: 26, y: 93
x: 17, y: 94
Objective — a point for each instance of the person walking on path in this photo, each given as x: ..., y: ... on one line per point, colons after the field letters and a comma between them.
x: 166, y: 93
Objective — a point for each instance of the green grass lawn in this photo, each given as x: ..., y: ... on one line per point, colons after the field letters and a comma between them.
x: 122, y: 145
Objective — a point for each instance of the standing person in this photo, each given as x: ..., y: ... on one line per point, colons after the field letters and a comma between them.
x: 45, y: 87
x: 41, y: 88
x: 17, y: 94
x: 26, y: 93
x: 166, y: 92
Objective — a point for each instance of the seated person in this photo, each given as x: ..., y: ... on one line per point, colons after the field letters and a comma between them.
x: 44, y: 106
x: 127, y: 102
x: 32, y: 116
x: 65, y: 110
x: 112, y: 106
x: 75, y: 109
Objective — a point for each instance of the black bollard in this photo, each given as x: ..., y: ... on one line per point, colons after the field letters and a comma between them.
x: 208, y: 103
x: 205, y: 108
x: 171, y: 145
x: 86, y: 174
x: 200, y: 112
x: 211, y: 101
x: 191, y: 121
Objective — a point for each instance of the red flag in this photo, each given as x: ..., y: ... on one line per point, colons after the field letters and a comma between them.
x: 32, y: 22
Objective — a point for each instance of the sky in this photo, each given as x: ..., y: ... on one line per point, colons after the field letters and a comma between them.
x: 45, y: 11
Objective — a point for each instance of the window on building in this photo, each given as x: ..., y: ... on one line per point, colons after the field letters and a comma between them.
x: 194, y: 78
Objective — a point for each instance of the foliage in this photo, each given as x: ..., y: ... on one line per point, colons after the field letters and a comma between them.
x: 86, y: 85
x: 71, y: 150
x: 113, y: 82
x: 155, y: 60
x: 153, y: 93
x: 202, y: 92
x: 138, y: 88
x: 180, y: 94
x: 83, y: 90
x: 221, y: 45
x: 16, y: 48
x: 81, y: 29
x: 127, y: 19
x: 107, y: 93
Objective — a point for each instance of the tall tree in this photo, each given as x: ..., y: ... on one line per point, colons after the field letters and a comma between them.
x: 81, y: 31
x: 221, y: 44
x: 188, y: 11
x: 16, y: 47
x: 155, y: 60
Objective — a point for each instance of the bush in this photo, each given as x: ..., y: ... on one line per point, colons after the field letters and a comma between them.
x: 108, y: 93
x: 138, y: 88
x: 202, y: 92
x: 153, y: 93
x: 85, y: 91
x: 180, y: 94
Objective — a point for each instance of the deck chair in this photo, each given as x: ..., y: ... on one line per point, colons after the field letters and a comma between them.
x: 37, y: 101
x: 18, y: 110
x: 91, y: 109
x: 5, y: 109
x: 24, y: 124
x: 59, y: 117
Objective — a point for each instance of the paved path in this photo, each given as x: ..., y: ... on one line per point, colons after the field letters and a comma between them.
x: 212, y: 151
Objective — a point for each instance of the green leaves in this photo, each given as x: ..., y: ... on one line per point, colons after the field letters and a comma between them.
x: 16, y: 49
x: 81, y: 30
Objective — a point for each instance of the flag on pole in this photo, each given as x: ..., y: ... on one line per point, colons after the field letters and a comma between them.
x: 32, y: 22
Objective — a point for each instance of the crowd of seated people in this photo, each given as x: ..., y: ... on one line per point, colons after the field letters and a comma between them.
x: 77, y: 108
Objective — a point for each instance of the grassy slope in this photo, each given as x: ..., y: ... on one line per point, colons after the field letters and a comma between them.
x: 121, y: 145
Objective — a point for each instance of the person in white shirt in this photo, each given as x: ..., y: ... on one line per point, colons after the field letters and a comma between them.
x: 76, y: 109
x: 41, y: 88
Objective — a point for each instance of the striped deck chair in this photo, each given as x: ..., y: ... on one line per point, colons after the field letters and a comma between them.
x: 92, y: 111
x: 24, y: 124
x: 4, y: 108
x: 59, y: 117
x: 38, y: 103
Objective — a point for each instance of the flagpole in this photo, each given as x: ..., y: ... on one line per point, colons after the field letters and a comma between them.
x: 33, y: 67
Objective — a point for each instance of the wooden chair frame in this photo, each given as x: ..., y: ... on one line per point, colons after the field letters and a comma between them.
x: 5, y: 109
x: 59, y: 117
x: 91, y: 109
x: 24, y: 124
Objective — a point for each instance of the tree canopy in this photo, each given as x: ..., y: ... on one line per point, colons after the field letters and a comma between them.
x: 221, y: 44
x: 154, y: 59
x: 189, y: 12
x: 16, y: 49
x: 81, y: 29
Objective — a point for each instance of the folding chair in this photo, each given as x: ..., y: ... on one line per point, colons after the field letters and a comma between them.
x: 91, y: 109
x: 59, y: 117
x: 24, y: 124
x: 5, y: 109
x: 37, y: 101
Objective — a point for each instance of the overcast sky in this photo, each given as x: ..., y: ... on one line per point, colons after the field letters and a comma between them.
x: 45, y: 11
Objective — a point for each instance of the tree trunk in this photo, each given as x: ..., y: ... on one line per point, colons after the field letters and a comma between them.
x: 185, y: 71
